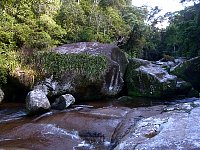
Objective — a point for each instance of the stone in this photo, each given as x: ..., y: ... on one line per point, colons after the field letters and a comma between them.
x: 37, y: 102
x: 189, y: 71
x: 87, y: 70
x: 63, y: 102
x: 148, y: 80
x: 1, y: 95
x: 184, y: 88
x: 169, y: 64
x: 176, y: 128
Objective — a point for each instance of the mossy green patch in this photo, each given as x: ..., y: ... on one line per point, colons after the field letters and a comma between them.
x: 8, y: 62
x: 3, y: 76
x: 91, y: 67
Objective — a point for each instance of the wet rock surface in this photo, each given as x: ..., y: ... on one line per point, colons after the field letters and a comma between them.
x: 177, y: 127
x: 170, y: 125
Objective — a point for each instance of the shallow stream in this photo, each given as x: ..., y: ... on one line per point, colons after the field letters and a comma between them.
x: 84, y: 126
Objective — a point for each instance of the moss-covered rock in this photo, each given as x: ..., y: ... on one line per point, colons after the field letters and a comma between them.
x: 189, y: 71
x: 86, y: 70
x: 150, y: 80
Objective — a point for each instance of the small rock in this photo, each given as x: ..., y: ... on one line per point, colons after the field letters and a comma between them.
x: 1, y: 95
x: 37, y: 102
x: 63, y: 102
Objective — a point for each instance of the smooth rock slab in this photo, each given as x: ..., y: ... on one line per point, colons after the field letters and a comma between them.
x: 177, y: 128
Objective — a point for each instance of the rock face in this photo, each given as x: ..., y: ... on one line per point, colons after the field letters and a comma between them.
x: 37, y: 102
x: 86, y: 70
x: 176, y: 128
x: 189, y: 71
x: 1, y: 95
x: 146, y: 79
x: 63, y: 102
x: 169, y: 64
x: 150, y: 80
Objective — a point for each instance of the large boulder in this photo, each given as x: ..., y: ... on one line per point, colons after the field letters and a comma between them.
x: 37, y: 102
x: 189, y: 71
x: 87, y: 70
x: 63, y: 102
x: 150, y: 80
x: 1, y: 95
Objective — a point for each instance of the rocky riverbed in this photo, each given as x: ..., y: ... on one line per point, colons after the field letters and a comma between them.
x: 115, y: 124
x: 58, y: 115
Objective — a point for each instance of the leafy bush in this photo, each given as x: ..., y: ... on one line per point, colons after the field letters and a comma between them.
x: 40, y: 40
x: 52, y: 28
x: 48, y: 63
x: 3, y: 76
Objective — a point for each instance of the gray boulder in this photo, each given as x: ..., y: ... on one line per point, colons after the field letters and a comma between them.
x: 1, y: 95
x: 150, y: 80
x: 87, y: 70
x: 37, y: 102
x: 169, y: 64
x: 189, y: 71
x: 63, y: 102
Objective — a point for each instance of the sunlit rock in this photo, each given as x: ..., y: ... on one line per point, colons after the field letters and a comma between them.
x: 37, y: 102
x: 177, y: 127
x: 63, y: 102
x: 87, y: 70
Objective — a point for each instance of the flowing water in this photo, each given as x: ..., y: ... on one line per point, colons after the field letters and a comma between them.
x: 84, y: 126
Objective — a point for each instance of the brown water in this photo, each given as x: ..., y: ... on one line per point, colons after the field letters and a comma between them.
x: 91, y: 125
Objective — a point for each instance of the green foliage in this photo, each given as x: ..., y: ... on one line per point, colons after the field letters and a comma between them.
x: 55, y: 31
x: 87, y: 34
x: 48, y: 63
x: 20, y: 33
x: 41, y: 24
x: 182, y: 36
x: 28, y: 26
x: 40, y: 40
x: 9, y: 60
x: 3, y: 76
x: 137, y: 36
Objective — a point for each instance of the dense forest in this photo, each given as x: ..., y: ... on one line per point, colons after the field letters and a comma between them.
x: 28, y: 26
